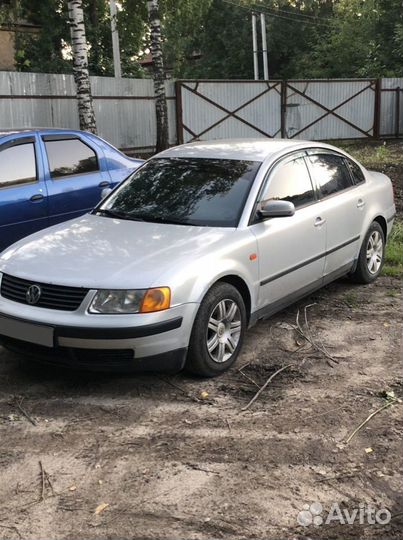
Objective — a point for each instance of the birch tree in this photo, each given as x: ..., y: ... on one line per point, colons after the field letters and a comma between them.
x: 158, y: 75
x: 80, y: 66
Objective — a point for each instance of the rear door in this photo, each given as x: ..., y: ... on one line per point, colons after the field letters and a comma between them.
x: 75, y: 176
x: 23, y: 196
x: 342, y: 203
x: 291, y: 249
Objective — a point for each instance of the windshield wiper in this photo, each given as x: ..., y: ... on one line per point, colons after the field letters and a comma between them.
x: 161, y: 219
x: 118, y: 215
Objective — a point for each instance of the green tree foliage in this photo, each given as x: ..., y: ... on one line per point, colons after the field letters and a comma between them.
x: 49, y: 51
x: 365, y: 40
x: 306, y: 38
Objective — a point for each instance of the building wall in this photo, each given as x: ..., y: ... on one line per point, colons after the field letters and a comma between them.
x: 7, y: 50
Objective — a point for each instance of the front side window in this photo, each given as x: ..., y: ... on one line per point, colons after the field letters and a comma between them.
x: 330, y: 173
x: 290, y: 182
x: 187, y: 191
x: 17, y: 165
x: 70, y: 156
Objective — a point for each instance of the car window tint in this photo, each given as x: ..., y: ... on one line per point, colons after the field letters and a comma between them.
x: 17, y: 165
x: 70, y: 156
x: 290, y: 182
x: 330, y: 173
x: 356, y: 171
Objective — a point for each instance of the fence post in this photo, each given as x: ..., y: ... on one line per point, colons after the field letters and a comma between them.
x: 397, y: 113
x: 283, y: 116
x: 377, y: 109
x: 179, y: 115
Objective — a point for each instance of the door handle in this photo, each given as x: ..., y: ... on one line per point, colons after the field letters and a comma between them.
x: 37, y: 197
x: 103, y: 184
x: 360, y: 203
x: 319, y: 221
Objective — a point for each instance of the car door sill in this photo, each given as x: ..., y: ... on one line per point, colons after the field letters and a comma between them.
x: 275, y: 307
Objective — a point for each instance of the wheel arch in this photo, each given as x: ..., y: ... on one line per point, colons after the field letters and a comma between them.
x: 382, y: 222
x: 241, y: 286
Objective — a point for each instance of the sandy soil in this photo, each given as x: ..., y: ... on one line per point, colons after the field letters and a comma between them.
x: 173, y: 462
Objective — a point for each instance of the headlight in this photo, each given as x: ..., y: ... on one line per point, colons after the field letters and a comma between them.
x: 132, y: 301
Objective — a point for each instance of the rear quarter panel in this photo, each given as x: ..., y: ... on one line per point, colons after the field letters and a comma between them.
x: 379, y: 200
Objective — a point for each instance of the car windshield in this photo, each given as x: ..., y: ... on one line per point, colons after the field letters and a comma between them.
x: 186, y: 191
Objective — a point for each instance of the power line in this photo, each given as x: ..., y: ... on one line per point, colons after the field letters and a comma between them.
x: 297, y: 13
x: 291, y: 17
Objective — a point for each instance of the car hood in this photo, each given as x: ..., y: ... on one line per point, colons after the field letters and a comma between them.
x: 102, y: 252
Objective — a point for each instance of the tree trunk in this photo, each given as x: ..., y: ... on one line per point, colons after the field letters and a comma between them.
x: 80, y: 66
x: 158, y: 75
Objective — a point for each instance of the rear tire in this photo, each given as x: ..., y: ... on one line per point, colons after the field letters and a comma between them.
x: 372, y: 255
x: 218, y: 331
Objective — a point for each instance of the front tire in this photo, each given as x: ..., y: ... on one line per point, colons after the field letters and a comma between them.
x: 372, y: 255
x: 218, y: 331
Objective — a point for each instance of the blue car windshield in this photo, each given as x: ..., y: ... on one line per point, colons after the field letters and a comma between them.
x: 186, y: 191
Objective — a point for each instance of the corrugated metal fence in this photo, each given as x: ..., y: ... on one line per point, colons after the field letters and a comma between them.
x: 125, y: 111
x: 124, y: 108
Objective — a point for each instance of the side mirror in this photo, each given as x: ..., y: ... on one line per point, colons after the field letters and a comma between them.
x: 105, y: 192
x: 273, y: 208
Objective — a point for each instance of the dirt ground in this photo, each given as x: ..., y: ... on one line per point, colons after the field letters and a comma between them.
x: 172, y: 457
x: 173, y: 462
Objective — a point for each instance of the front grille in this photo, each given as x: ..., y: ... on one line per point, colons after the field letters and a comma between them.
x: 71, y: 357
x: 52, y: 296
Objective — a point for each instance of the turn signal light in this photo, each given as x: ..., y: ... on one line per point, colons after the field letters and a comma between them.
x: 156, y: 300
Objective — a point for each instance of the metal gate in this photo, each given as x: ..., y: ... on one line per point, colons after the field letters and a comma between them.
x: 306, y: 109
x: 224, y: 109
x: 324, y: 109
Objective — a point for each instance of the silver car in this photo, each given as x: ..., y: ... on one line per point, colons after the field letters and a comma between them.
x: 197, y: 245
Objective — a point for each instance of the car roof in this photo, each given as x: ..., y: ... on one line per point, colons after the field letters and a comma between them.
x: 240, y: 149
x: 4, y: 132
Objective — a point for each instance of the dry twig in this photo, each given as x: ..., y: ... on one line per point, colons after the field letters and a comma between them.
x: 307, y: 335
x: 255, y: 397
x: 365, y: 422
x: 182, y: 390
x: 18, y: 404
x: 45, y: 482
x: 11, y: 528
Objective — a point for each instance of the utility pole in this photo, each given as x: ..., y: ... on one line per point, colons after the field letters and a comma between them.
x: 115, y: 40
x: 255, y: 51
x: 264, y: 47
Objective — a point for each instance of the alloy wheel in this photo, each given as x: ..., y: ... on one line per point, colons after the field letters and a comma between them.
x: 224, y: 330
x: 374, y: 252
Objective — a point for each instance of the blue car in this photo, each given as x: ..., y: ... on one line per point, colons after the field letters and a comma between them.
x: 52, y: 175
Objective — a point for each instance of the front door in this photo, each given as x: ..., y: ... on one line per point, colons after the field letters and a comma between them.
x: 23, y: 196
x: 290, y: 249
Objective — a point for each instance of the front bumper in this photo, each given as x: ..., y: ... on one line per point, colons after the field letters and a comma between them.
x: 146, y: 342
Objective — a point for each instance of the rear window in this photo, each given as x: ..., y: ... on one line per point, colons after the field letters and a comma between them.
x: 356, y: 172
x: 70, y: 156
x: 330, y: 173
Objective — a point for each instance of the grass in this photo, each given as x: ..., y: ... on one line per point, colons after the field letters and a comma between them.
x: 394, y: 252
x: 374, y: 155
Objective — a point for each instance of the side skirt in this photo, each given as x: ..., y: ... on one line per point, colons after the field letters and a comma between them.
x: 275, y: 307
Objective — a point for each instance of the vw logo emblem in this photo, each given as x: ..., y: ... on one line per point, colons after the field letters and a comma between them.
x: 33, y: 294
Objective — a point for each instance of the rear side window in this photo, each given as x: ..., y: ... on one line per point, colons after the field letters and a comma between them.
x: 330, y: 173
x: 17, y: 165
x: 356, y: 172
x: 290, y: 182
x: 70, y: 156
